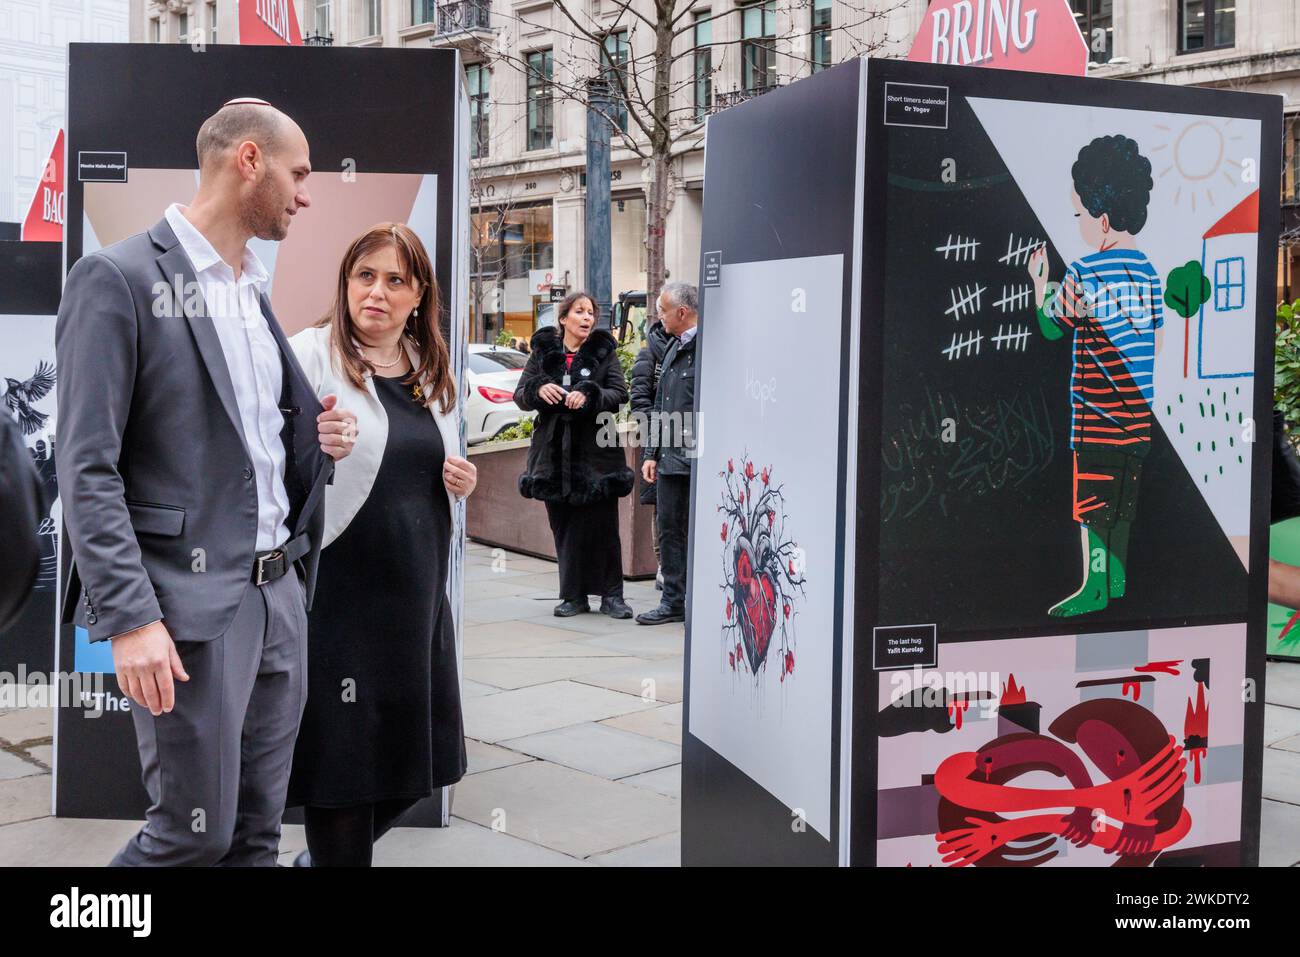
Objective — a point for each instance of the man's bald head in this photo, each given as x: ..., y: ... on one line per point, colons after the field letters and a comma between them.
x: 240, y: 121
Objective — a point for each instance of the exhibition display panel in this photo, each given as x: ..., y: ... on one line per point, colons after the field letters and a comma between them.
x: 980, y: 509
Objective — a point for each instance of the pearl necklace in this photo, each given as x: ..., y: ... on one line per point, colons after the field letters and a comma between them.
x: 388, y: 365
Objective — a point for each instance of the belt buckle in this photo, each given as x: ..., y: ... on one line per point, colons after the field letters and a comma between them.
x: 260, y: 566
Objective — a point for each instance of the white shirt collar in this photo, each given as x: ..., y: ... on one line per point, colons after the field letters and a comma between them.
x: 201, y: 254
x: 688, y: 335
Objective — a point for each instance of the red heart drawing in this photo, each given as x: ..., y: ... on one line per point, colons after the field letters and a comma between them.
x: 756, y: 605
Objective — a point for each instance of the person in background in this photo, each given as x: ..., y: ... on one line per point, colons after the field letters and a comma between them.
x: 645, y: 380
x: 22, y: 504
x: 572, y: 376
x: 383, y: 725
x: 667, y: 463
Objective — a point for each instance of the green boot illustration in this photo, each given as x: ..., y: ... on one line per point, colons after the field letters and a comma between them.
x: 1094, y: 593
x: 1117, y: 562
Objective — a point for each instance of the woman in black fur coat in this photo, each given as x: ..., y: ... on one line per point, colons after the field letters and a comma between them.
x: 573, y: 375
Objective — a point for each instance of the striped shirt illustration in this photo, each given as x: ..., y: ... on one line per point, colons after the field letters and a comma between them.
x: 1113, y: 302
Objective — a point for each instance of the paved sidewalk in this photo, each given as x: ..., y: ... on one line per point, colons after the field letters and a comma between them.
x: 574, y: 730
x: 574, y: 739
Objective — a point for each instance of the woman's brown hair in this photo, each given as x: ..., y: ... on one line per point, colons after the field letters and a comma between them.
x: 571, y: 300
x: 433, y: 370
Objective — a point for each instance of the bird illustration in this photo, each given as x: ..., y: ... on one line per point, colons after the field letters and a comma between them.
x: 22, y: 395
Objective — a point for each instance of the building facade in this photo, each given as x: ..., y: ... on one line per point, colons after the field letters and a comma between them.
x: 1248, y: 45
x: 34, y: 37
x: 524, y: 58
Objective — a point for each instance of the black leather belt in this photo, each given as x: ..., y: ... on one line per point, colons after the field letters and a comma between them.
x: 268, y: 566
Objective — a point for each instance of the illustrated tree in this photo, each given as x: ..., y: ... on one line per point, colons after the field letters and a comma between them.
x: 1186, y: 290
x: 645, y: 50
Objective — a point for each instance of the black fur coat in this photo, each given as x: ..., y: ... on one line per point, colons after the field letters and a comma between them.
x: 567, y: 461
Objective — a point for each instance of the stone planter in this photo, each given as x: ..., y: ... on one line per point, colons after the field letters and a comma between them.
x: 496, y: 514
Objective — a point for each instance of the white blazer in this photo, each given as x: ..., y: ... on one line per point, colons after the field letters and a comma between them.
x: 354, y: 475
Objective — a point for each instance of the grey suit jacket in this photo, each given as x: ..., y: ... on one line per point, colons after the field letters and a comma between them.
x: 159, y: 500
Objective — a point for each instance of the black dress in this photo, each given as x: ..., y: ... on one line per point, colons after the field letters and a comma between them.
x: 383, y: 717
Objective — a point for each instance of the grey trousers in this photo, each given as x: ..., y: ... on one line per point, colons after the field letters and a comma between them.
x: 216, y: 768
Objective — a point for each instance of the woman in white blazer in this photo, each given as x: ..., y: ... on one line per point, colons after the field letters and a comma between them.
x: 382, y: 726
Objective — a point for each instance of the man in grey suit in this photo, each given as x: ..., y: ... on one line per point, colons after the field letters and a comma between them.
x: 192, y: 477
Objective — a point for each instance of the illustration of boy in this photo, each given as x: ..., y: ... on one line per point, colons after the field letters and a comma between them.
x: 1111, y: 300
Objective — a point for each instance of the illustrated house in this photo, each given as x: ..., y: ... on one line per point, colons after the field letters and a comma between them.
x: 1226, y: 322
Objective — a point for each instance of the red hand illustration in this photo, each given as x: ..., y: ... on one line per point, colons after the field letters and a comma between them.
x: 964, y: 846
x: 1130, y: 799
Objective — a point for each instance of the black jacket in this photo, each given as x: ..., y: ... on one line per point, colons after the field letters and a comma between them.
x: 674, y: 410
x: 1286, y: 473
x: 648, y: 365
x: 566, y: 462
x: 22, y: 506
x: 645, y: 379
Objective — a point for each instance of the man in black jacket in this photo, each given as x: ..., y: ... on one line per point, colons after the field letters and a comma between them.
x: 670, y: 448
x: 645, y: 380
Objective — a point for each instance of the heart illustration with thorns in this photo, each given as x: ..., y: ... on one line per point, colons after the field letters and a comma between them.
x: 762, y: 570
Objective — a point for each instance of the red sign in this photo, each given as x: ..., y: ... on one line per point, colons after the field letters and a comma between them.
x: 268, y: 23
x: 1037, y: 35
x: 44, y: 222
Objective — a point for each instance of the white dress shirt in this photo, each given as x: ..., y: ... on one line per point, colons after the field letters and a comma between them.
x: 253, y: 359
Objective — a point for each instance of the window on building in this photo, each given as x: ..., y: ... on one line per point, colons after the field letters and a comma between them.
x: 480, y: 107
x: 26, y: 153
x: 1293, y: 194
x: 1096, y: 20
x: 618, y: 52
x: 1206, y: 24
x: 371, y: 18
x: 541, y: 106
x: 506, y: 242
x: 155, y: 30
x: 758, y: 46
x: 703, y: 64
x: 321, y: 18
x: 627, y: 252
x: 212, y: 21
x: 182, y: 28
x: 423, y: 11
x: 821, y: 35
x: 1229, y: 283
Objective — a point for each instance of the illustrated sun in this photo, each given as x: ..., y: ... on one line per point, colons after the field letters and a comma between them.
x: 1200, y: 153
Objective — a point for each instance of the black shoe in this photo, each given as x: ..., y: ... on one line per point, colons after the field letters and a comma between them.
x: 615, y: 607
x: 659, y: 615
x: 303, y: 859
x: 567, y: 609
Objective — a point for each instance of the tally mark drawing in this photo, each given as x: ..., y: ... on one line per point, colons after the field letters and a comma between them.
x: 1018, y: 255
x: 1016, y: 338
x: 965, y: 300
x: 962, y: 249
x: 1014, y: 298
x: 963, y: 346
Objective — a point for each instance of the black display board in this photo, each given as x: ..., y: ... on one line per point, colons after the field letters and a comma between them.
x: 30, y: 283
x: 1015, y: 624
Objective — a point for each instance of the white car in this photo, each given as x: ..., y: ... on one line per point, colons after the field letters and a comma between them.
x: 493, y: 375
